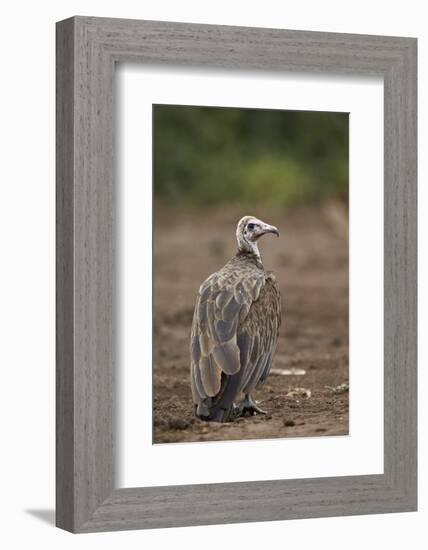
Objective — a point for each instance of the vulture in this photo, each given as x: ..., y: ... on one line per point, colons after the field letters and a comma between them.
x: 234, y: 330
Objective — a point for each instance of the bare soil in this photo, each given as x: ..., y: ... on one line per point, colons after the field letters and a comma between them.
x: 310, y: 261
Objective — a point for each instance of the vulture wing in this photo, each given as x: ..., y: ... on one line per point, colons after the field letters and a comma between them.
x: 261, y: 328
x: 234, y: 333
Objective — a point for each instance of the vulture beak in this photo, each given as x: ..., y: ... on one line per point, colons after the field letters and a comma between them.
x: 266, y: 228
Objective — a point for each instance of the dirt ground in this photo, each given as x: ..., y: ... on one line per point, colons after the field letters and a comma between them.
x: 310, y: 261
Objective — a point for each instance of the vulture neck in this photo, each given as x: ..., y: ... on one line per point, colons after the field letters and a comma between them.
x: 250, y: 251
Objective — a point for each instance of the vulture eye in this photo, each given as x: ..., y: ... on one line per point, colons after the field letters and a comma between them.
x: 250, y: 226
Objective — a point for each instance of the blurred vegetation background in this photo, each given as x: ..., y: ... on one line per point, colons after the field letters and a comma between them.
x: 212, y: 155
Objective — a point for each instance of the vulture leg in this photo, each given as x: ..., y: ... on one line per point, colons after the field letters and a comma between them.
x: 249, y: 405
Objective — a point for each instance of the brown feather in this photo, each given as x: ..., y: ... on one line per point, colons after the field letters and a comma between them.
x: 210, y: 375
x: 227, y: 357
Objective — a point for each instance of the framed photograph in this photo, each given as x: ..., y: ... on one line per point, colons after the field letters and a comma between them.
x: 236, y: 274
x: 232, y: 161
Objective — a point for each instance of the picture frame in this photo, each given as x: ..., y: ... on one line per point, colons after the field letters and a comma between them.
x: 87, y: 50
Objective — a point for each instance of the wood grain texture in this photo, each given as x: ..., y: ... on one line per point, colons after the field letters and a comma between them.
x: 64, y: 277
x: 87, y: 49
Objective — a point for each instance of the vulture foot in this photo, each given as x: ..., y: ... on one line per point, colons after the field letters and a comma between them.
x: 248, y: 405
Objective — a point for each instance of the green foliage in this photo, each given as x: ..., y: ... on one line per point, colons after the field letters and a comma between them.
x: 206, y: 155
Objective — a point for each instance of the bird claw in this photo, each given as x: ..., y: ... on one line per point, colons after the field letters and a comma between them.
x: 253, y: 410
x: 248, y: 405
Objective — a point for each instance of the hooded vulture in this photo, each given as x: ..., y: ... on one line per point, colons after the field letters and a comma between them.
x: 235, y: 330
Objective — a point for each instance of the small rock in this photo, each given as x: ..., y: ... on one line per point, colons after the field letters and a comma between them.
x: 288, y: 372
x: 299, y: 392
x: 337, y: 390
x: 288, y: 423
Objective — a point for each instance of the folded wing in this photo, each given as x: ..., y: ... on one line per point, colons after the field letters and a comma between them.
x: 234, y: 332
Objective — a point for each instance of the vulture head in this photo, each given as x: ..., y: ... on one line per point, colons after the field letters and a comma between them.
x: 249, y: 231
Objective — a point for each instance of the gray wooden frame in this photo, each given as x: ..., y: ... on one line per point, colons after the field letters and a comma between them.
x: 87, y: 50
